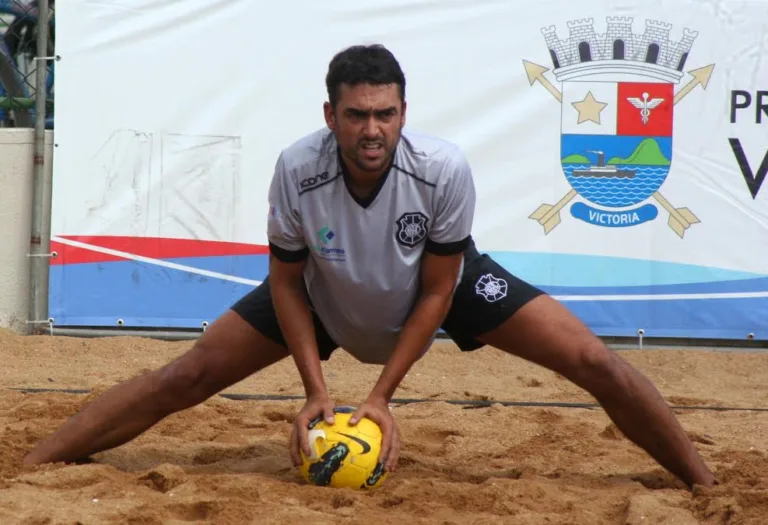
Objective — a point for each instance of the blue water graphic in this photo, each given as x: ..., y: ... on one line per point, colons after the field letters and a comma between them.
x: 617, y: 192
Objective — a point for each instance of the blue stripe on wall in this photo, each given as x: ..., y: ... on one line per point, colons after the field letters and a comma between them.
x: 143, y: 295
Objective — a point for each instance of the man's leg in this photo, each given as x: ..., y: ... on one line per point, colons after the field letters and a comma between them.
x: 545, y: 332
x: 244, y: 340
x: 229, y: 351
x: 535, y: 327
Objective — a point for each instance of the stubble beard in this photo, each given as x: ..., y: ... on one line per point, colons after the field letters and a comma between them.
x: 380, y: 165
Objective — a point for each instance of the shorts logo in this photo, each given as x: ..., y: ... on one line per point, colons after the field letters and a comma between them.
x: 411, y: 228
x: 491, y: 288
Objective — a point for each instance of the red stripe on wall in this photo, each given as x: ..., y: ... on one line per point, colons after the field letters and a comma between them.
x: 152, y: 247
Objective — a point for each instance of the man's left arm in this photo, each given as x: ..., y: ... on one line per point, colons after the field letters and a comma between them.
x: 448, y: 237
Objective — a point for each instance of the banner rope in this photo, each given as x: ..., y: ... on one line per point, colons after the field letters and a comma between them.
x: 466, y: 403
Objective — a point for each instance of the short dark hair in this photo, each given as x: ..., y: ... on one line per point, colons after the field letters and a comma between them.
x: 372, y: 64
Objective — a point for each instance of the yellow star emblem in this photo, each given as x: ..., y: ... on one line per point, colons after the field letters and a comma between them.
x: 589, y: 109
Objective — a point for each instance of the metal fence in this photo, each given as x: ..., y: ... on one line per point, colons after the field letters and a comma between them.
x: 27, y: 62
x: 19, y: 61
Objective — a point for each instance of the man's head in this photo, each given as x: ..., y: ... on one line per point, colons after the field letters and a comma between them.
x: 366, y: 105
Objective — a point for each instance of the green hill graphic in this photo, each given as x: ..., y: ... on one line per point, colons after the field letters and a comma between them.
x: 576, y: 159
x: 647, y: 153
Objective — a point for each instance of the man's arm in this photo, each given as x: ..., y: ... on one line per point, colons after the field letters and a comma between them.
x: 295, y: 319
x: 289, y: 298
x: 454, y: 208
x: 438, y: 280
x: 288, y: 253
x: 454, y: 205
x: 288, y: 256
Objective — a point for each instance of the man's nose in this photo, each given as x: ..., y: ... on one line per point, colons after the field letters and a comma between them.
x: 371, y: 127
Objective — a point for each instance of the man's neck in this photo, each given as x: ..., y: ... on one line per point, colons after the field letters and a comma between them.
x: 361, y: 183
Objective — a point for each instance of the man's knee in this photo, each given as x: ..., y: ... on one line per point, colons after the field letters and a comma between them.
x: 183, y: 382
x: 595, y: 367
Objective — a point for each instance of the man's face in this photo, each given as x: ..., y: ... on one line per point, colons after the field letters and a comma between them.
x: 367, y: 122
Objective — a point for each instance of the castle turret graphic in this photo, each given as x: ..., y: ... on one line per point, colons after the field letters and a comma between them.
x: 617, y: 97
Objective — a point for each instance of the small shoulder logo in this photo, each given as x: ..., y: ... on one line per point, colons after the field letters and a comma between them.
x: 311, y: 182
x: 411, y: 228
x: 618, y: 96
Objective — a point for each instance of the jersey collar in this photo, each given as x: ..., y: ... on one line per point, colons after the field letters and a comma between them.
x: 364, y: 203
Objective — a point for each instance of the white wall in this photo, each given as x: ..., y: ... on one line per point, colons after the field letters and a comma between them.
x: 16, y: 180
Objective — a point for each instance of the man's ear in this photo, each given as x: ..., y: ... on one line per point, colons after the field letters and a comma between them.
x: 330, y: 118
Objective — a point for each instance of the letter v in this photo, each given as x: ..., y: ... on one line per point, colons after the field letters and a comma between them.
x: 754, y: 181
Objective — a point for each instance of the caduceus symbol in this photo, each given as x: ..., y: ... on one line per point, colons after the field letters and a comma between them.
x: 645, y: 106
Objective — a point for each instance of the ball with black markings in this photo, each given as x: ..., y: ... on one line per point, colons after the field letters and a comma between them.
x: 344, y: 455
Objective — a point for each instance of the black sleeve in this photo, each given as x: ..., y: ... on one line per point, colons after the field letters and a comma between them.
x: 449, y: 248
x: 288, y: 256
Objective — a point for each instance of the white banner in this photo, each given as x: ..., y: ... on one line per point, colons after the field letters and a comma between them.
x: 619, y: 148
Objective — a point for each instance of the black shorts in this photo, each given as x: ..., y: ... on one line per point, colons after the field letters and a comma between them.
x: 487, y: 296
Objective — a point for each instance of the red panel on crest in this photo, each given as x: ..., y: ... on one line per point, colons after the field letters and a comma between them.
x: 645, y: 109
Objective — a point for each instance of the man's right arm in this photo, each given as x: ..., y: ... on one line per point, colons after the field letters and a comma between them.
x: 295, y: 320
x: 288, y: 257
x: 288, y: 254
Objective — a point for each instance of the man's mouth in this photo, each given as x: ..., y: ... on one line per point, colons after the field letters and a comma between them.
x: 372, y: 149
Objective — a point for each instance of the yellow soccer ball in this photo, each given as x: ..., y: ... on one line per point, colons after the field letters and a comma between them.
x: 344, y: 455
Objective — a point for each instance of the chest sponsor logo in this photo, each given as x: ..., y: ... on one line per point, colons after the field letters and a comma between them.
x: 324, y: 247
x: 411, y: 228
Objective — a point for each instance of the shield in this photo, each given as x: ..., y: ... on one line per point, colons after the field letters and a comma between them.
x: 411, y: 228
x: 616, y: 146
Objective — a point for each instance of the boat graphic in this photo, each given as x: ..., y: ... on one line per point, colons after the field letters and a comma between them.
x: 601, y: 170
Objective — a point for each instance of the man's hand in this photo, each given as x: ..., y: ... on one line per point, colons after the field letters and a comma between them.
x: 316, y: 406
x: 377, y: 410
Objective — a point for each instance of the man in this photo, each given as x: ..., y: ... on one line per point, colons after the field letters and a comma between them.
x: 370, y: 239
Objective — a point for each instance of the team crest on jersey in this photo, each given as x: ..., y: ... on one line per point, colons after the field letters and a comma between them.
x: 411, y: 228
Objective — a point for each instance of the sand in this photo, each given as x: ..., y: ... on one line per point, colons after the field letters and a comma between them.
x: 226, y: 461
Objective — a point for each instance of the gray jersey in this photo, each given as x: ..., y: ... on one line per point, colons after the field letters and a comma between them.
x: 364, y: 256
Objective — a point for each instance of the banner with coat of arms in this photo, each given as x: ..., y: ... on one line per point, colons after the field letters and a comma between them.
x: 617, y: 122
x: 619, y: 152
x: 618, y: 91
